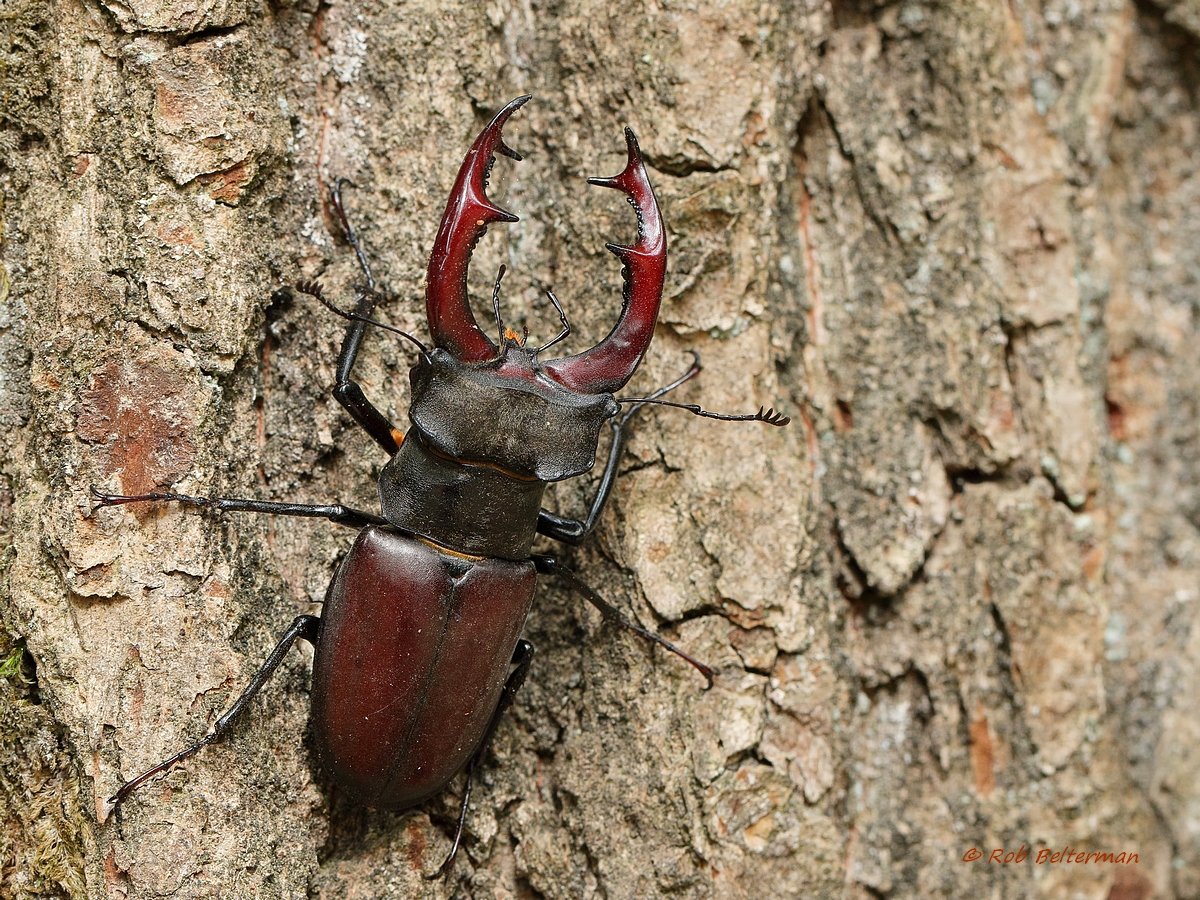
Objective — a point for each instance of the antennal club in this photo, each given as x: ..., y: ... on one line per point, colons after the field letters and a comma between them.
x: 769, y: 416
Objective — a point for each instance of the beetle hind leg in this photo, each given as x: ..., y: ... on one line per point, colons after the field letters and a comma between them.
x: 305, y: 627
x: 548, y: 565
x: 522, y: 658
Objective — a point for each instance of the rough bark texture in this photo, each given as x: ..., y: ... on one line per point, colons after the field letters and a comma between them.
x: 955, y: 606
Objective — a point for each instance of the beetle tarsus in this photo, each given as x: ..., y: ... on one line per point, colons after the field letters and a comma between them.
x: 351, y: 237
x: 315, y: 290
x: 130, y: 786
x: 448, y: 862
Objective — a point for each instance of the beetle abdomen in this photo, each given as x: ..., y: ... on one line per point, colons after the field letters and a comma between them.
x: 414, y: 650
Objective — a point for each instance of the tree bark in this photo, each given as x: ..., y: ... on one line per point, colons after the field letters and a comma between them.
x: 953, y: 605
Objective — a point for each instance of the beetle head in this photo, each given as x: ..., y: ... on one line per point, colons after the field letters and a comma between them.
x: 602, y: 369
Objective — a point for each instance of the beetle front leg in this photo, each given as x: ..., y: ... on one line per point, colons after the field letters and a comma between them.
x: 305, y: 627
x: 573, y: 531
x: 522, y: 658
x: 345, y: 390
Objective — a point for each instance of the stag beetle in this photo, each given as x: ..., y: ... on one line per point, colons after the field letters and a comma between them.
x: 418, y: 648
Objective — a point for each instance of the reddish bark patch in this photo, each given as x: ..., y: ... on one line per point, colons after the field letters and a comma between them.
x: 217, y: 588
x: 1093, y: 564
x: 416, y: 845
x: 227, y: 186
x: 982, y: 756
x: 45, y: 381
x: 1001, y: 410
x: 179, y: 234
x: 1130, y: 884
x: 137, y: 701
x: 175, y: 106
x: 755, y: 131
x: 141, y: 413
x: 116, y: 879
x: 1006, y: 158
x: 1116, y: 419
x: 843, y: 417
x: 743, y: 618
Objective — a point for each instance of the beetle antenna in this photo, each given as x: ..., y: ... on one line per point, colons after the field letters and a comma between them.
x: 496, y: 301
x: 562, y: 317
x: 314, y: 289
x: 692, y: 372
x: 768, y: 416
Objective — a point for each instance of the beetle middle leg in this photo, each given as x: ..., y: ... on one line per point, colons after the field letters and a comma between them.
x: 335, y: 512
x: 345, y: 390
x: 522, y: 658
x: 305, y: 627
x: 573, y: 531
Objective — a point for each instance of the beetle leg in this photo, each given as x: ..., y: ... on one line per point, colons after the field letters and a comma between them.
x: 345, y: 390
x: 522, y: 658
x: 573, y: 531
x: 548, y: 565
x: 448, y: 862
x: 337, y: 513
x: 305, y: 627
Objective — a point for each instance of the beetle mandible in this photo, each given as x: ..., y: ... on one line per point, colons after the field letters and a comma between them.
x: 418, y: 648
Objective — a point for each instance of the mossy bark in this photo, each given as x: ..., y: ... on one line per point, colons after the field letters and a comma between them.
x: 953, y: 604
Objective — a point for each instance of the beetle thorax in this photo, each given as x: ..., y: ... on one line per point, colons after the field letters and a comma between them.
x: 486, y: 438
x: 507, y: 413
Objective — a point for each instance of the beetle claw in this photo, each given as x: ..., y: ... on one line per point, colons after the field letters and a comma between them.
x: 607, y: 366
x: 468, y: 213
